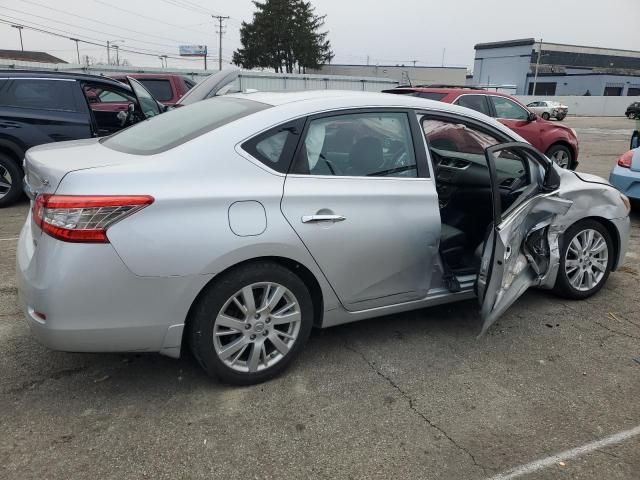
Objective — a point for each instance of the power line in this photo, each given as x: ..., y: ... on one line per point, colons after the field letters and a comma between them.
x: 183, y: 27
x: 89, y: 42
x: 96, y: 31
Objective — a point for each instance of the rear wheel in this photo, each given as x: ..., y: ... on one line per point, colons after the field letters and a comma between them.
x: 546, y: 115
x: 10, y: 181
x: 560, y: 117
x: 251, y: 323
x: 586, y: 257
x: 631, y: 115
x: 561, y: 155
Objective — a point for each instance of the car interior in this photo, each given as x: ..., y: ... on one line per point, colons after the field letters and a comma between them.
x: 464, y: 188
x: 106, y: 104
x: 359, y: 145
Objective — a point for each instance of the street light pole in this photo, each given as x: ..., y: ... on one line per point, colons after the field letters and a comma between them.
x: 535, y: 77
x: 117, y: 54
x: 19, y: 27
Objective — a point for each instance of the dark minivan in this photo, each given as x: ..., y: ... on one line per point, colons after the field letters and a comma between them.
x: 42, y: 107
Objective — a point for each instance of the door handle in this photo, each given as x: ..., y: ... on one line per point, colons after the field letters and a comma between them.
x: 322, y: 218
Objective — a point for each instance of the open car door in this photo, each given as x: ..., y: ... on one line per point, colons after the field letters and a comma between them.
x: 149, y: 106
x: 516, y: 252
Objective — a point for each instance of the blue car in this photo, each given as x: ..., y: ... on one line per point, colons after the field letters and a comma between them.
x: 625, y: 176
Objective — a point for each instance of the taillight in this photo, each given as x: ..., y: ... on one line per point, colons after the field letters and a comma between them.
x: 84, y: 218
x: 625, y: 159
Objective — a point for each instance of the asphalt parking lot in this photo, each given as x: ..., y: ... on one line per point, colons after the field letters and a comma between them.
x: 407, y: 396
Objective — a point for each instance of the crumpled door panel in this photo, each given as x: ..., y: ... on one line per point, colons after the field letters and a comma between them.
x: 517, y: 255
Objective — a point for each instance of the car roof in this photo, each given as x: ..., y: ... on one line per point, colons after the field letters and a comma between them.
x: 449, y: 90
x: 58, y: 75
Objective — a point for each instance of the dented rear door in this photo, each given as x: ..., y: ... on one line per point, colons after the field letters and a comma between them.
x: 516, y: 252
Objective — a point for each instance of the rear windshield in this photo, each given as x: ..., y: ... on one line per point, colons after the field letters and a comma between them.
x: 173, y: 128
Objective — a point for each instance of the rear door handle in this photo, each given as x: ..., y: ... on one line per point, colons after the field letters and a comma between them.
x: 322, y: 218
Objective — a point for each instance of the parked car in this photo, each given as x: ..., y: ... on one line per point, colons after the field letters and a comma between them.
x: 633, y: 110
x: 233, y: 225
x: 166, y: 88
x: 39, y: 107
x: 548, y: 109
x: 558, y: 142
x: 625, y: 175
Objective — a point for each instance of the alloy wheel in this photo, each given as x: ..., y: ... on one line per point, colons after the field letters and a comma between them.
x: 586, y: 260
x: 257, y: 327
x: 6, y: 182
x: 561, y: 158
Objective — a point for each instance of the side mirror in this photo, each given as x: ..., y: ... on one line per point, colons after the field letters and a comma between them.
x: 532, y: 117
x: 551, y: 180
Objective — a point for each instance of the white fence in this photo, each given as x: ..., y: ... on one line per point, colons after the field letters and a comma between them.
x: 591, y: 106
x: 248, y: 79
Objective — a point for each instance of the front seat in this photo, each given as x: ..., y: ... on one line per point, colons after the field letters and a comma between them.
x: 451, y: 237
x: 452, y: 243
x: 366, y: 157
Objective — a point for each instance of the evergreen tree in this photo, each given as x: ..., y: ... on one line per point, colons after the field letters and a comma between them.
x: 284, y: 35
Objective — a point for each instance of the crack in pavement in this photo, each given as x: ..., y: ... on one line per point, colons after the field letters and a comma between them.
x: 616, y: 331
x: 54, y: 376
x: 412, y: 406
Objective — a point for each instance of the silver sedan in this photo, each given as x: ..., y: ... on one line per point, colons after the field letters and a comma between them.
x: 234, y: 225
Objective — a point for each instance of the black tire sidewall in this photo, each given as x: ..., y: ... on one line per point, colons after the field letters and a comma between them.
x: 556, y: 148
x: 16, y: 178
x: 201, y: 322
x: 546, y: 116
x: 563, y: 286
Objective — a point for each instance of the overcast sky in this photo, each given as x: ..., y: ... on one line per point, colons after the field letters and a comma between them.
x: 388, y: 32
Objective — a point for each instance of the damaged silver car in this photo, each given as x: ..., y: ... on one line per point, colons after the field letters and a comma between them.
x: 234, y: 225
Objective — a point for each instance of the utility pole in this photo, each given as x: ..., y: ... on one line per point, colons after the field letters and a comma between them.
x: 443, y: 52
x: 206, y: 52
x: 535, y: 77
x: 77, y: 48
x: 220, y: 19
x: 108, y: 57
x: 117, y: 54
x: 19, y: 27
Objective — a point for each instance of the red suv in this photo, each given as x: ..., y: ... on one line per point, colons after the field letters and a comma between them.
x: 166, y: 88
x: 559, y: 143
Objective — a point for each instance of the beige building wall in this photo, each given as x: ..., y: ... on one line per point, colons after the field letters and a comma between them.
x: 403, y: 74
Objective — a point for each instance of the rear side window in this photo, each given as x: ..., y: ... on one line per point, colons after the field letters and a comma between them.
x: 178, y: 126
x: 160, y: 89
x: 474, y: 102
x: 275, y: 148
x: 43, y: 94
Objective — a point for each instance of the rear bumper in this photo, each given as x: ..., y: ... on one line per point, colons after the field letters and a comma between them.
x: 91, y: 302
x: 626, y: 180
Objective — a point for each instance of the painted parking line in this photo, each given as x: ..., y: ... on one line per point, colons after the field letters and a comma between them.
x: 8, y: 239
x: 567, y: 455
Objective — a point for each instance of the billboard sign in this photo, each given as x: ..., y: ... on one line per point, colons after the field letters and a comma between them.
x: 192, y: 50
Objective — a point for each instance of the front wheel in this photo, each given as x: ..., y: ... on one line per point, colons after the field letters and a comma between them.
x: 546, y: 115
x: 631, y: 115
x: 586, y: 258
x: 251, y: 323
x: 561, y: 155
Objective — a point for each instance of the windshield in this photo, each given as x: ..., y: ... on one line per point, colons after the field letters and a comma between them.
x: 176, y: 127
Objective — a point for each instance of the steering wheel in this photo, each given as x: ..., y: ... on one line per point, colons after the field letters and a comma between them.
x: 127, y: 117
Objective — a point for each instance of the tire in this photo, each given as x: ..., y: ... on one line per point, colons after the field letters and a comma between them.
x: 241, y: 335
x: 546, y: 116
x: 568, y: 277
x: 561, y: 155
x: 11, y: 175
x: 631, y: 115
x: 560, y: 117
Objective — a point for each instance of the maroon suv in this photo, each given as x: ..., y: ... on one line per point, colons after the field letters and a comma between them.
x: 559, y: 143
x: 166, y: 88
